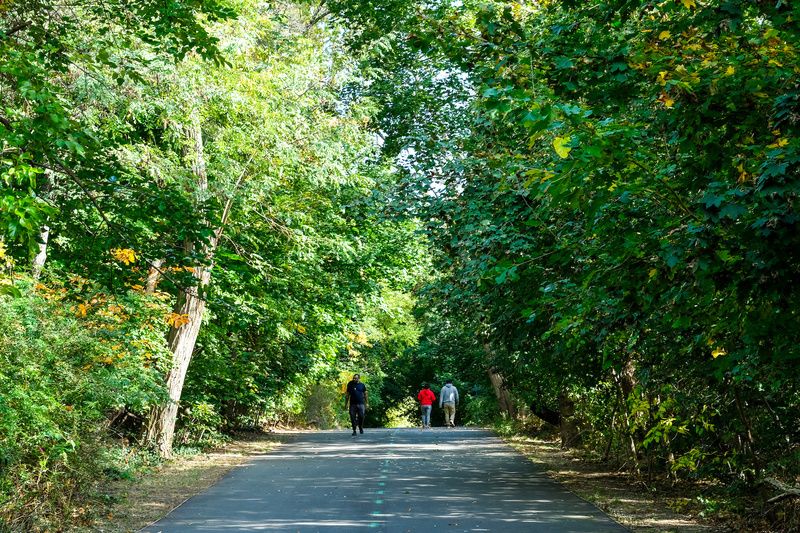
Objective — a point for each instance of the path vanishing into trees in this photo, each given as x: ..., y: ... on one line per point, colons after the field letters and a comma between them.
x: 389, y: 480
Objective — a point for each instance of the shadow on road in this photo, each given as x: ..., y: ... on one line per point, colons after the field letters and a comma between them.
x: 388, y: 480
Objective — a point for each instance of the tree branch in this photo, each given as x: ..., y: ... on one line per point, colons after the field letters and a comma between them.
x: 18, y: 27
x: 788, y: 490
x: 61, y: 168
x: 319, y: 13
x: 226, y: 211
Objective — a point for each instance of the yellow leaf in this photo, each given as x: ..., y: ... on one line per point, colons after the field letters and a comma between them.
x: 176, y: 320
x: 664, y: 35
x: 559, y: 144
x: 688, y: 4
x: 537, y: 175
x: 662, y: 77
x: 742, y: 173
x: 124, y: 255
x: 730, y: 71
x: 780, y: 143
x: 719, y: 352
x: 653, y: 273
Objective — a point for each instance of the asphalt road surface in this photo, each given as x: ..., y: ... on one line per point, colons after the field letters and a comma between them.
x: 393, y: 480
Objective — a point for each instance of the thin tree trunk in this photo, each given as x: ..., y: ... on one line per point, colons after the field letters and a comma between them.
x: 750, y: 446
x: 44, y: 233
x: 190, y: 305
x: 41, y: 257
x: 181, y: 341
x: 568, y: 428
x: 611, y: 430
x: 626, y: 382
x: 189, y: 309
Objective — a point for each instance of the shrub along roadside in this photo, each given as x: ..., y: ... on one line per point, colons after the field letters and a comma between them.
x: 58, y: 381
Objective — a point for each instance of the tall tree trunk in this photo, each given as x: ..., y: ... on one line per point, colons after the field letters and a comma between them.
x: 189, y: 309
x: 504, y: 399
x: 181, y: 339
x: 44, y: 232
x: 190, y: 304
x: 625, y: 380
x: 41, y: 257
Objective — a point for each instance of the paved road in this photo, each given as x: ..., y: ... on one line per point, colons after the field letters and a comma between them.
x: 393, y: 480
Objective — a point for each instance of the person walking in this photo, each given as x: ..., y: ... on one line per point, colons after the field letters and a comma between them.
x: 426, y: 398
x: 356, y: 395
x: 448, y: 400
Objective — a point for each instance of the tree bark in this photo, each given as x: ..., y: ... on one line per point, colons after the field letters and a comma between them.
x: 181, y: 340
x: 153, y: 276
x: 504, y: 399
x: 44, y: 233
x: 568, y: 428
x: 625, y: 380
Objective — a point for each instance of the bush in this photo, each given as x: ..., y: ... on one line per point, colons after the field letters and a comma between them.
x: 323, y: 406
x: 403, y: 415
x: 479, y: 410
x: 58, y: 378
x: 200, y: 426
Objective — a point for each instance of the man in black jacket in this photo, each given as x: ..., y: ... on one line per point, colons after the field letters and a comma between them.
x: 356, y: 395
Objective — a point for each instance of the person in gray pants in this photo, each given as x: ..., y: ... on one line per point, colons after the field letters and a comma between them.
x: 448, y: 400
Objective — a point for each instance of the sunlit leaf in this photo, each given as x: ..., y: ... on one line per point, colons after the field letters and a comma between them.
x: 560, y: 146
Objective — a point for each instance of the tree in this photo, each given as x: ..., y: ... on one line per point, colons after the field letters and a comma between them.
x: 607, y: 196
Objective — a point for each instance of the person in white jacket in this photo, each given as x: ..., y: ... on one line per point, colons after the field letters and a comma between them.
x: 448, y: 400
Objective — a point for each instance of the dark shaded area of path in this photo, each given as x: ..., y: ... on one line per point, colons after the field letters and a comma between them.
x: 394, y: 480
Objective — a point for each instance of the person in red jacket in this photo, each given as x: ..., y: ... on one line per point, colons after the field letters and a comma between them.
x: 426, y: 399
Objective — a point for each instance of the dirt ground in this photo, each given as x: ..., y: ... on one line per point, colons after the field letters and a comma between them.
x: 632, y: 503
x: 139, y: 503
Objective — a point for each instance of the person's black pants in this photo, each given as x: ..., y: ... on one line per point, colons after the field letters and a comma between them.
x: 357, y: 412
